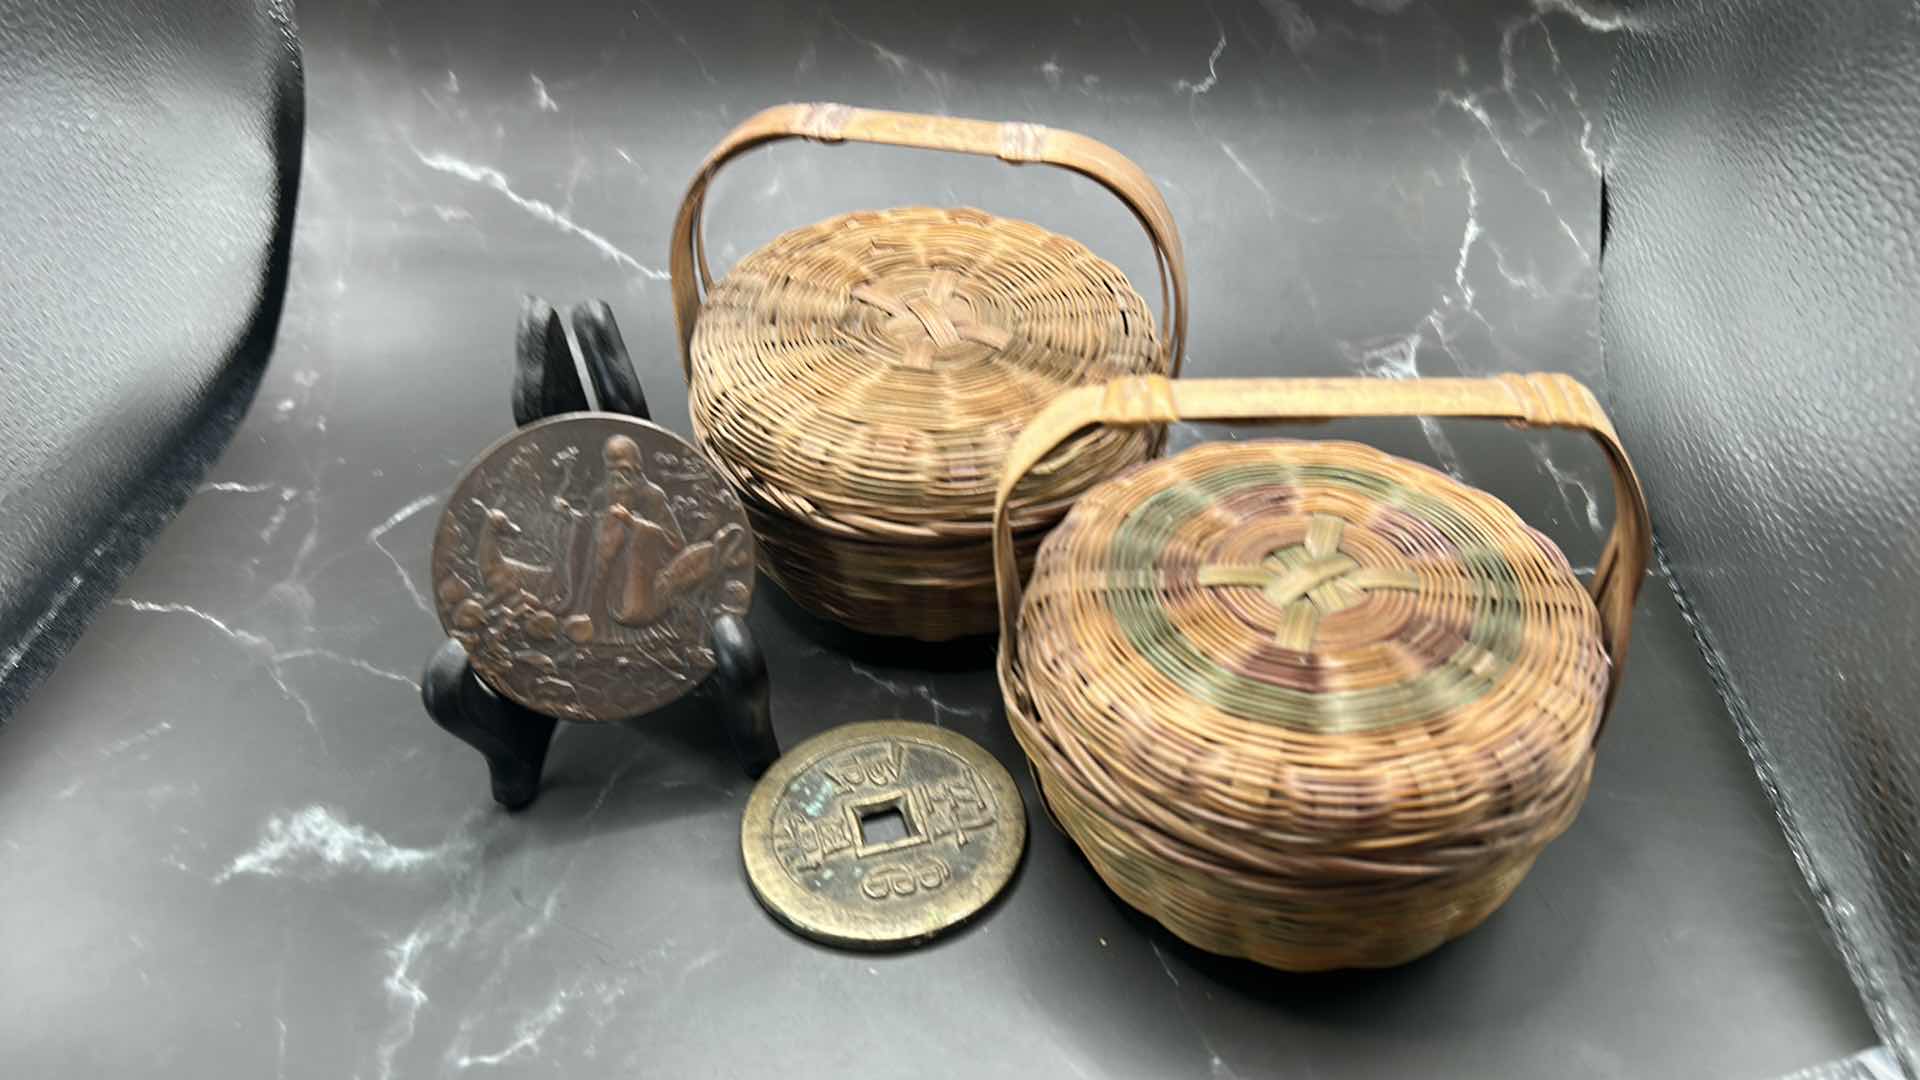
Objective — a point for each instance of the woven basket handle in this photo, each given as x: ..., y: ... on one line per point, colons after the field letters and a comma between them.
x: 1541, y: 401
x: 1014, y: 143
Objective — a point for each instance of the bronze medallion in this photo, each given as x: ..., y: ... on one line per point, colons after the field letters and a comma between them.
x: 882, y: 834
x: 581, y: 560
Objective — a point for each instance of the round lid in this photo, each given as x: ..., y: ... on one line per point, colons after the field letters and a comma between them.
x: 1285, y: 630
x: 874, y: 368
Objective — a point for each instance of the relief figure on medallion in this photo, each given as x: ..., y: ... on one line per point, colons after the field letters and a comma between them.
x: 643, y: 564
x: 628, y: 564
x: 539, y: 592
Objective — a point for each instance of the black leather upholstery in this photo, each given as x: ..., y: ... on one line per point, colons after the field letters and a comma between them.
x: 1761, y: 317
x: 149, y: 158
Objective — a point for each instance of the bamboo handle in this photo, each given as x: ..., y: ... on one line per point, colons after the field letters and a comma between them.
x: 1540, y: 401
x: 1015, y: 143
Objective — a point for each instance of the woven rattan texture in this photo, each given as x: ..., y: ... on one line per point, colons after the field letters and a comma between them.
x: 1341, y: 700
x: 1309, y: 703
x: 860, y: 381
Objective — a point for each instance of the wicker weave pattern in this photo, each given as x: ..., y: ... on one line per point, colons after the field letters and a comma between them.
x: 914, y: 589
x: 861, y: 380
x: 1306, y: 702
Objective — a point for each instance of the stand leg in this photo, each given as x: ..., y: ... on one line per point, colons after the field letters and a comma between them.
x: 545, y: 382
x: 513, y: 739
x: 740, y: 685
x: 608, y: 365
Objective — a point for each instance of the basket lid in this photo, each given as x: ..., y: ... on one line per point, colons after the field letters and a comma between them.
x: 1309, y: 702
x: 874, y: 369
x: 1321, y: 619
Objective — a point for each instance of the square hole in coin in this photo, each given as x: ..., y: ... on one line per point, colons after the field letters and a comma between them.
x: 883, y: 824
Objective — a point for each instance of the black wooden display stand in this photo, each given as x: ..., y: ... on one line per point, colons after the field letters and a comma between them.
x: 513, y: 738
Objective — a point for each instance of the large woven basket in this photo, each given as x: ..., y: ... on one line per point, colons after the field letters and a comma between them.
x: 1306, y: 702
x: 860, y: 380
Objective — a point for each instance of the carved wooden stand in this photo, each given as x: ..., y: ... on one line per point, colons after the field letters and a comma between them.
x: 514, y: 739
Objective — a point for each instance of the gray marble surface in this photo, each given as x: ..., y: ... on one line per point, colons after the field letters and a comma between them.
x: 233, y: 845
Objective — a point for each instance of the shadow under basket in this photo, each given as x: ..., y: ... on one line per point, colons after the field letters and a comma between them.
x: 1305, y: 702
x: 860, y: 380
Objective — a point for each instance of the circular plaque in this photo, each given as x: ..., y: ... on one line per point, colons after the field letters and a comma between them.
x: 581, y: 560
x: 882, y: 834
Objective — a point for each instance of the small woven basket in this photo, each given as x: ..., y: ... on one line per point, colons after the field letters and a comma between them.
x: 860, y: 380
x: 1306, y: 702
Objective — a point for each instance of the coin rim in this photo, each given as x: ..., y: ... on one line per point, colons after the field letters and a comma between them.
x: 739, y: 516
x: 812, y: 917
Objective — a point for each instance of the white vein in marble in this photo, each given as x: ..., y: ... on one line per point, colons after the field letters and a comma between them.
x: 1566, y: 483
x: 918, y: 690
x: 234, y: 487
x: 315, y: 843
x: 542, y: 100
x: 1593, y: 18
x: 527, y: 1035
x: 1471, y: 104
x: 1468, y: 235
x: 680, y: 39
x: 1397, y: 357
x: 1258, y: 184
x: 393, y: 520
x: 903, y: 66
x: 271, y: 656
x: 1525, y: 281
x: 1213, y: 71
x: 493, y: 179
x: 1217, y: 1066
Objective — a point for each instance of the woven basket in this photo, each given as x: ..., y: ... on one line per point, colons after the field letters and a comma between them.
x: 859, y: 381
x: 1306, y: 702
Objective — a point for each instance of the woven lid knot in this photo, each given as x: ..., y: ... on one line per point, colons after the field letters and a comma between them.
x: 1310, y: 580
x: 931, y: 318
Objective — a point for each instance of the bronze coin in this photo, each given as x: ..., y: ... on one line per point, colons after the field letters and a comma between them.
x: 882, y: 834
x: 581, y: 561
